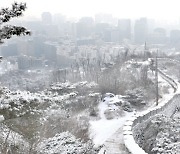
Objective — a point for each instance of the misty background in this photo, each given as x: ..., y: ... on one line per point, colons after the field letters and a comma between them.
x: 65, y: 34
x: 86, y: 68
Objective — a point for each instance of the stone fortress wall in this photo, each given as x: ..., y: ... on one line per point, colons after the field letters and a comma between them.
x: 134, y: 123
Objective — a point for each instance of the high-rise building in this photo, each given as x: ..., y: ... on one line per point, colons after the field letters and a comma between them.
x: 115, y: 35
x: 26, y: 62
x: 158, y: 36
x: 49, y: 52
x: 101, y: 29
x: 84, y: 28
x: 124, y: 27
x: 141, y: 31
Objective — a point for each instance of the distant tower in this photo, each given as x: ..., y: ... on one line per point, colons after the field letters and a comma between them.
x: 46, y: 18
x: 124, y: 27
x: 159, y: 36
x: 141, y: 31
x: 84, y: 28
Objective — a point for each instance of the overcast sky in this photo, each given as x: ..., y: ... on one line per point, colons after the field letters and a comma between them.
x: 158, y: 9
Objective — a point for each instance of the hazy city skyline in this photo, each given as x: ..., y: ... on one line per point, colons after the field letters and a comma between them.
x: 160, y: 10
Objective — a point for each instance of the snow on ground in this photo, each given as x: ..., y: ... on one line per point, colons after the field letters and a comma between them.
x: 102, y: 129
x: 166, y: 96
x: 164, y: 83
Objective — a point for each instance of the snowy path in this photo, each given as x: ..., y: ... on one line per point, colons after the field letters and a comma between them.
x: 101, y: 130
x: 115, y: 144
x: 109, y: 132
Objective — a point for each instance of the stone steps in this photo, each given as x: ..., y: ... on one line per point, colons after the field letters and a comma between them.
x: 115, y: 144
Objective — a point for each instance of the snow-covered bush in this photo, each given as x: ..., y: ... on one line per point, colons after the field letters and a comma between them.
x: 159, y: 135
x: 135, y: 96
x: 93, y: 111
x: 113, y: 113
x: 18, y: 103
x: 65, y: 143
x: 168, y: 137
x: 10, y: 141
x: 109, y: 114
x: 126, y: 106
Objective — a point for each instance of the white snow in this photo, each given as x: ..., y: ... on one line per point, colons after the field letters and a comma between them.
x: 102, y: 129
x: 1, y: 118
x: 166, y: 96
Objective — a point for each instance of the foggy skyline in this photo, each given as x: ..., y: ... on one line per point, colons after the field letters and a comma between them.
x: 159, y: 10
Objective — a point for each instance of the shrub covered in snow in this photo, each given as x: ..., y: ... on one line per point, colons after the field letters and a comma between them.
x: 18, y: 103
x: 126, y: 106
x: 160, y: 135
x: 135, y: 96
x: 65, y: 143
x: 12, y: 142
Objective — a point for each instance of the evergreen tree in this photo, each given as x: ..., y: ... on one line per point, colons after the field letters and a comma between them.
x: 7, y: 31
